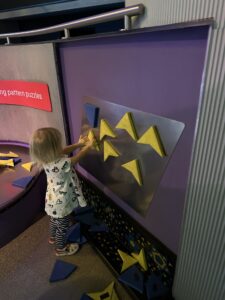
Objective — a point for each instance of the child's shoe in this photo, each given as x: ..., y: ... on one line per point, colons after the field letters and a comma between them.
x: 51, y: 240
x: 70, y: 249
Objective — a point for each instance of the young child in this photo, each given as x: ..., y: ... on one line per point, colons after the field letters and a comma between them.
x: 63, y: 188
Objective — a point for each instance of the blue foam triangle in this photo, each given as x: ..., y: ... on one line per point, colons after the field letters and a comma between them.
x: 73, y: 234
x: 61, y: 270
x: 155, y: 287
x: 17, y: 160
x: 87, y: 218
x: 99, y: 228
x: 92, y: 113
x: 85, y: 297
x: 22, y: 182
x: 81, y: 210
x: 134, y: 278
x: 82, y: 240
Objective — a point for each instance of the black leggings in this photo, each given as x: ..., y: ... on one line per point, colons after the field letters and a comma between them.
x: 58, y: 230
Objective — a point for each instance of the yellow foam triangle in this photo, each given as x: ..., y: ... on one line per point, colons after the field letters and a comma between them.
x: 151, y: 137
x: 27, y: 166
x: 128, y: 260
x: 8, y: 163
x: 99, y: 295
x: 106, y: 129
x: 114, y: 295
x: 127, y: 124
x: 109, y: 150
x: 141, y: 259
x: 92, y: 137
x: 9, y: 154
x: 134, y: 167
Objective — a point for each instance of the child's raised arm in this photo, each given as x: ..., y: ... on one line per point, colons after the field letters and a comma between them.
x: 82, y: 152
x: 81, y: 143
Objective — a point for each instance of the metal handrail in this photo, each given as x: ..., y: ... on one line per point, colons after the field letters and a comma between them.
x: 96, y: 19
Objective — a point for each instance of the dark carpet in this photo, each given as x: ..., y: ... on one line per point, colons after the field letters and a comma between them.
x: 26, y: 264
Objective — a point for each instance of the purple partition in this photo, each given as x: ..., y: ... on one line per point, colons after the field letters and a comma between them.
x: 157, y: 72
x: 19, y: 206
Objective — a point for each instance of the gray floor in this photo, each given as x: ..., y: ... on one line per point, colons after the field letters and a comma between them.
x: 27, y: 261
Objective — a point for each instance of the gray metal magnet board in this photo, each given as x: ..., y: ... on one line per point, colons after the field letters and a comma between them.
x: 129, y: 167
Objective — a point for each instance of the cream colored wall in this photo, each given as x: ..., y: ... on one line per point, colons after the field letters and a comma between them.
x: 162, y: 12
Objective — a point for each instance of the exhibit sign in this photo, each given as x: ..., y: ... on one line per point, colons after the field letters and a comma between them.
x: 25, y: 93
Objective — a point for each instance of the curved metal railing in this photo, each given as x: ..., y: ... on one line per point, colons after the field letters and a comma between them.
x: 126, y: 12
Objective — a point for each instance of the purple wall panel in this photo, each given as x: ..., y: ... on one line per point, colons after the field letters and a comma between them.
x: 156, y: 72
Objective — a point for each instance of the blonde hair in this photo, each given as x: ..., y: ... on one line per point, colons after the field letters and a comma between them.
x: 45, y: 145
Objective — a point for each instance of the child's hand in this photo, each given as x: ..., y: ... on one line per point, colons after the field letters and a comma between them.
x: 82, y: 140
x: 89, y: 143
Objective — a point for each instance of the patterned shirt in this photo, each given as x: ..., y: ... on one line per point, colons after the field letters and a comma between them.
x: 63, y: 188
